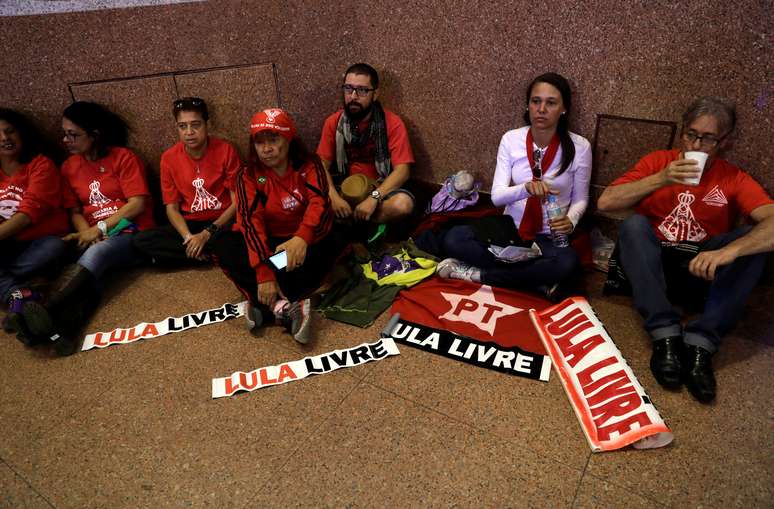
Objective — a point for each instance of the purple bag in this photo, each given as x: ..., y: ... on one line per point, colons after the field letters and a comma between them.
x: 458, y: 191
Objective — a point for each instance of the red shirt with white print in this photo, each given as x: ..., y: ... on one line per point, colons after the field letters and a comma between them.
x: 34, y: 190
x: 103, y: 186
x: 200, y: 186
x: 296, y: 204
x: 680, y: 212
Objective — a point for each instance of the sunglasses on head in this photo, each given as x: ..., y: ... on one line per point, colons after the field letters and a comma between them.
x: 188, y: 102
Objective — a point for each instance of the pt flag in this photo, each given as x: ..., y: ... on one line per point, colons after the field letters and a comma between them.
x: 477, y: 324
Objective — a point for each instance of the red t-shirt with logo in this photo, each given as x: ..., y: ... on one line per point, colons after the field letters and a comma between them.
x: 201, y: 186
x: 680, y: 212
x: 34, y: 190
x: 361, y: 159
x: 296, y: 204
x: 103, y: 186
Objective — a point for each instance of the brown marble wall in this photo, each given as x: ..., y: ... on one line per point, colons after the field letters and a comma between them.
x: 455, y: 70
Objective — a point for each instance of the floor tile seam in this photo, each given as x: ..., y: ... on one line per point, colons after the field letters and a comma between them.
x: 142, y: 285
x: 308, y: 437
x: 145, y: 285
x: 25, y: 481
x: 580, y: 480
x: 467, y: 424
x: 633, y: 488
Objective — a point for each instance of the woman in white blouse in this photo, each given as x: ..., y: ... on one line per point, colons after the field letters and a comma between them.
x: 540, y: 159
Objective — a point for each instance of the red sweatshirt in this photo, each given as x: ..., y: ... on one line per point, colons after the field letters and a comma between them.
x: 34, y: 190
x: 268, y: 205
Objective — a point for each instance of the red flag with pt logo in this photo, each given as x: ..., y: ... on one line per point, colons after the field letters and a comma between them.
x: 478, y: 324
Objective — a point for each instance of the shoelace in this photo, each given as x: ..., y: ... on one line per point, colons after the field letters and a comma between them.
x: 294, y: 313
x: 464, y: 271
x: 287, y: 314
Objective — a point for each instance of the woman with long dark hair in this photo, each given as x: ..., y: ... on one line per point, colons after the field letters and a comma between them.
x: 105, y: 191
x: 32, y: 219
x: 282, y: 208
x: 534, y: 162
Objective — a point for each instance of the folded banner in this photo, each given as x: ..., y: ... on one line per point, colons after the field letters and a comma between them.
x: 486, y: 326
x: 167, y: 326
x: 308, y: 366
x: 512, y: 361
x: 610, y: 403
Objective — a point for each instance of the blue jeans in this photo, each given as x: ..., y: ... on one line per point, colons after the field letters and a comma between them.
x: 640, y: 252
x: 19, y: 260
x: 556, y: 264
x: 110, y: 253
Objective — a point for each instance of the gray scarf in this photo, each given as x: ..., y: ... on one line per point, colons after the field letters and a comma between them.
x: 347, y: 134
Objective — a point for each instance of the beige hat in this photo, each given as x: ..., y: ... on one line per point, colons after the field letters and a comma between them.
x: 357, y: 188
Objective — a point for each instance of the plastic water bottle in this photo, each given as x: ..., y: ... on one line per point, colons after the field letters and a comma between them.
x: 554, y: 211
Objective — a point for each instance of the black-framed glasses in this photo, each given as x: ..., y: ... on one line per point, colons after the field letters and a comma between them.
x: 706, y: 140
x: 360, y: 91
x: 537, y: 169
x: 187, y: 102
x: 71, y: 135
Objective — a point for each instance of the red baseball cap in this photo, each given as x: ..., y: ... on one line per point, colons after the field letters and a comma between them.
x: 273, y: 119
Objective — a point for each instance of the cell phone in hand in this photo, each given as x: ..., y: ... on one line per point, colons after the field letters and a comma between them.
x: 279, y: 260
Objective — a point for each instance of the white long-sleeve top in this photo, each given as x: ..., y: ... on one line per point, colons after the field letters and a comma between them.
x: 513, y: 171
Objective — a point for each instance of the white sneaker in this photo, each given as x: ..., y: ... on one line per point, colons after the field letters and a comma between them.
x: 297, y: 319
x: 451, y: 268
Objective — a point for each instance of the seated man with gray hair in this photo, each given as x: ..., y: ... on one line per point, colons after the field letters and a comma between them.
x: 677, y: 205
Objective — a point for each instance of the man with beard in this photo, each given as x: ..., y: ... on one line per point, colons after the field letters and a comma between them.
x: 365, y: 138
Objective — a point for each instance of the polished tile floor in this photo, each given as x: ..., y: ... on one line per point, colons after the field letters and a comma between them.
x: 135, y: 425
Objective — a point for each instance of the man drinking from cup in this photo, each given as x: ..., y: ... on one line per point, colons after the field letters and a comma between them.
x: 681, y: 209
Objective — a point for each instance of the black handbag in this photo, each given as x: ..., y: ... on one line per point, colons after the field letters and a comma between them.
x: 497, y: 230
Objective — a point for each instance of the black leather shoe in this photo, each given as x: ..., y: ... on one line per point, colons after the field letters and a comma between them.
x: 665, y: 361
x: 698, y: 375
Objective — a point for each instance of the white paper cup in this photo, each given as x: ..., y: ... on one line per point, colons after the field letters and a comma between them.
x: 701, y: 160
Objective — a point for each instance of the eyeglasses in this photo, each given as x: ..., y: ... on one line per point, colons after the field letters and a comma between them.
x: 706, y: 140
x: 187, y: 102
x: 70, y: 135
x: 361, y: 91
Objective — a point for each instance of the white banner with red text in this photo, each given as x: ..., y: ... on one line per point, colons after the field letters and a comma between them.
x: 610, y: 403
x: 300, y: 369
x: 167, y: 326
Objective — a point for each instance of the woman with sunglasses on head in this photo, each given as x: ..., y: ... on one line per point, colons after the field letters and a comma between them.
x: 32, y: 219
x: 534, y: 163
x: 105, y: 191
x: 197, y: 187
x: 282, y: 207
